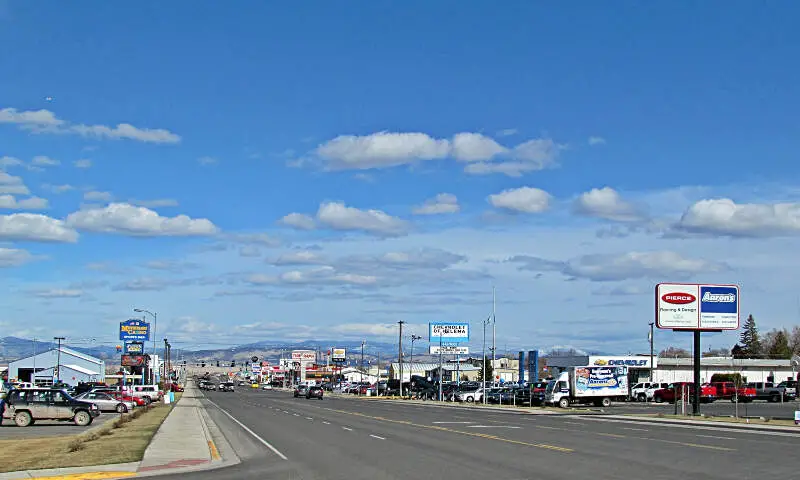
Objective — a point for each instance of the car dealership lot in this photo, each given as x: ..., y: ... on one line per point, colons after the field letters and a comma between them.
x: 49, y: 428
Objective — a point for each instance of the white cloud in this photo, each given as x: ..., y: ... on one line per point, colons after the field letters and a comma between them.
x: 338, y: 216
x: 12, y: 185
x: 32, y: 203
x: 390, y: 149
x: 45, y: 121
x: 6, y: 162
x: 381, y: 150
x: 35, y: 227
x: 58, y: 188
x: 155, y: 203
x: 594, y: 140
x: 249, y: 251
x: 472, y: 147
x: 82, y: 163
x: 441, y: 203
x: 95, y: 196
x: 44, y: 161
x: 615, y: 267
x: 13, y: 257
x: 507, y: 132
x: 723, y: 216
x: 324, y: 275
x: 608, y: 204
x: 524, y: 199
x: 299, y: 221
x: 261, y: 239
x: 194, y: 326
x: 58, y: 293
x: 302, y: 257
x: 126, y: 219
x: 170, y: 265
x: 207, y: 161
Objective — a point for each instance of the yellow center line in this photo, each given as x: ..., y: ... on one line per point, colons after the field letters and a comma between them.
x: 450, y: 430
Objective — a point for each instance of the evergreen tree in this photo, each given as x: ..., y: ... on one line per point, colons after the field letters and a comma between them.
x: 751, y: 343
x: 489, y: 373
x: 779, y: 347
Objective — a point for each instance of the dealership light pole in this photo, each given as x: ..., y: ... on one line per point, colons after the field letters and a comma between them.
x: 414, y: 338
x: 400, y: 354
x: 483, y: 375
x: 361, y: 383
x: 650, y: 337
x: 58, y: 361
x: 494, y: 325
x: 155, y: 331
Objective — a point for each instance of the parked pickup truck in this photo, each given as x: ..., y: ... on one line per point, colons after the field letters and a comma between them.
x: 676, y: 390
x: 770, y: 392
x: 729, y: 391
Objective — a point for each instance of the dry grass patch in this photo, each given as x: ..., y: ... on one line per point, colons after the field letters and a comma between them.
x: 118, y: 441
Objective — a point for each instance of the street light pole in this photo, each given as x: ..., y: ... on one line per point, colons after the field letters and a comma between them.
x: 361, y: 383
x: 485, y: 323
x: 400, y: 354
x: 58, y: 361
x: 414, y: 338
x: 494, y: 325
x: 650, y: 337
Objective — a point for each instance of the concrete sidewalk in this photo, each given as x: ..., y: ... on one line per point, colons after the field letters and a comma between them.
x: 188, y: 440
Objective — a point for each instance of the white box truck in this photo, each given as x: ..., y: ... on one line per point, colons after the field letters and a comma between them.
x: 597, y: 385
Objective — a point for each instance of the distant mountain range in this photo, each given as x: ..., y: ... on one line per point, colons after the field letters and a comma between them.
x: 12, y: 348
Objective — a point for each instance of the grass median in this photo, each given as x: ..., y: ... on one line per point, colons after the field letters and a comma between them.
x: 121, y: 440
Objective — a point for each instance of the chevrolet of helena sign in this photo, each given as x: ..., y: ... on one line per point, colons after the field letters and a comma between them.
x: 449, y: 332
x: 614, y: 362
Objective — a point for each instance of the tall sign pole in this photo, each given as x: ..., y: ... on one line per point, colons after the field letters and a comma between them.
x: 650, y: 337
x: 494, y: 326
x: 400, y: 354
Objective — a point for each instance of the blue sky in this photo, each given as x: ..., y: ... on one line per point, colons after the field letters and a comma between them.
x: 276, y: 172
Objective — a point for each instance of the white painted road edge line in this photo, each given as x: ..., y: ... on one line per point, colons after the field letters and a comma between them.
x: 254, y: 434
x: 491, y: 426
x: 462, y: 423
x: 348, y: 429
x: 326, y: 423
x: 379, y: 438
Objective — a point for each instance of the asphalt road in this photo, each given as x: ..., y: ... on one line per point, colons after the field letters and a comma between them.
x: 48, y: 428
x: 349, y: 438
x: 717, y: 408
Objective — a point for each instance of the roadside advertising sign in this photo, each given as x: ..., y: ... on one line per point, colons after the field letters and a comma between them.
x: 338, y: 355
x: 134, y: 330
x: 133, y: 360
x: 452, y: 332
x: 697, y: 306
x: 448, y: 350
x: 255, y: 367
x: 304, y: 355
x: 134, y: 347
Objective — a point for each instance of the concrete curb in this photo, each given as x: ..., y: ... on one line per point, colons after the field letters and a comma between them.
x: 708, y: 423
x: 460, y: 406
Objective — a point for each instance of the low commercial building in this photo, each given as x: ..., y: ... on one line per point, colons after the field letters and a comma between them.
x: 66, y: 364
x: 638, y: 365
x: 752, y: 370
x: 451, y: 371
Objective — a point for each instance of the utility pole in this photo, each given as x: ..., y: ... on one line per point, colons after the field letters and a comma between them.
x: 414, y: 338
x: 33, y: 378
x: 400, y: 354
x: 483, y: 375
x: 494, y: 325
x: 58, y: 361
x: 441, y: 366
x: 650, y: 337
x: 166, y: 361
x: 361, y: 383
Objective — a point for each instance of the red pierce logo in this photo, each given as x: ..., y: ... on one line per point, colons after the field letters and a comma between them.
x: 679, y: 298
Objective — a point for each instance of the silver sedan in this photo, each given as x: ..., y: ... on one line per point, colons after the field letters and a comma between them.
x: 106, y: 403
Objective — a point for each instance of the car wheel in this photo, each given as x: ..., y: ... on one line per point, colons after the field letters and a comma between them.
x: 606, y: 402
x: 82, y: 418
x: 23, y: 419
x: 470, y: 399
x: 641, y: 397
x: 775, y: 398
x: 122, y: 408
x: 658, y: 399
x: 147, y: 400
x: 564, y: 402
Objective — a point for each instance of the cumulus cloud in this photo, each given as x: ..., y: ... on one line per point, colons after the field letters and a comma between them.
x: 126, y: 219
x: 338, y: 216
x: 483, y: 154
x: 611, y: 267
x: 725, y: 217
x: 259, y: 239
x: 12, y: 185
x: 174, y: 266
x: 35, y: 227
x: 441, y: 203
x: 595, y: 140
x: 58, y: 293
x: 44, y: 161
x: 324, y: 275
x: 6, y: 162
x: 299, y: 221
x: 155, y: 203
x: 524, y: 200
x: 14, y: 257
x: 302, y: 257
x: 82, y: 163
x: 45, y: 121
x: 607, y: 203
x: 9, y: 202
x: 95, y: 196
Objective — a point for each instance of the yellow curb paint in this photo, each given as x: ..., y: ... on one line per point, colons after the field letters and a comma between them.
x: 88, y: 476
x: 213, y: 449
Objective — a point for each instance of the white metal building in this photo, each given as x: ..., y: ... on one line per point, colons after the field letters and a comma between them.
x: 75, y: 367
x: 752, y: 370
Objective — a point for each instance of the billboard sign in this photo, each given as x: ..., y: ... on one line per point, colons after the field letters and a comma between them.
x: 304, y: 355
x: 338, y: 354
x: 133, y: 360
x: 697, y: 306
x: 255, y: 368
x: 134, y: 330
x: 453, y: 332
x: 626, y: 361
x: 448, y: 350
x: 600, y: 381
x: 134, y: 348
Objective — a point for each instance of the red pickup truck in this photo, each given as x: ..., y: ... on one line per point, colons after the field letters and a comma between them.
x: 675, y: 391
x: 729, y: 390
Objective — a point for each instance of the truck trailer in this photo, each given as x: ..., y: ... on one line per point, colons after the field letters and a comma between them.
x: 597, y: 385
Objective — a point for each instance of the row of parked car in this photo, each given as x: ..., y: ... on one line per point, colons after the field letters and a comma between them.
x: 80, y: 405
x: 709, y: 392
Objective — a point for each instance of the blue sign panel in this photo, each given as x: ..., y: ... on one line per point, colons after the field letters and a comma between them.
x: 134, y: 330
x: 719, y: 307
x: 136, y: 348
x: 448, y: 332
x: 521, y: 376
x: 533, y: 366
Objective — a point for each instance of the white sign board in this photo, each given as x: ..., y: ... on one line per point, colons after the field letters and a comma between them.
x: 449, y: 332
x: 338, y: 355
x: 448, y: 350
x: 697, y: 307
x: 304, y: 355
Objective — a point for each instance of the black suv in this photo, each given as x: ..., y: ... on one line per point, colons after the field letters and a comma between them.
x: 314, y: 391
x: 28, y: 405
